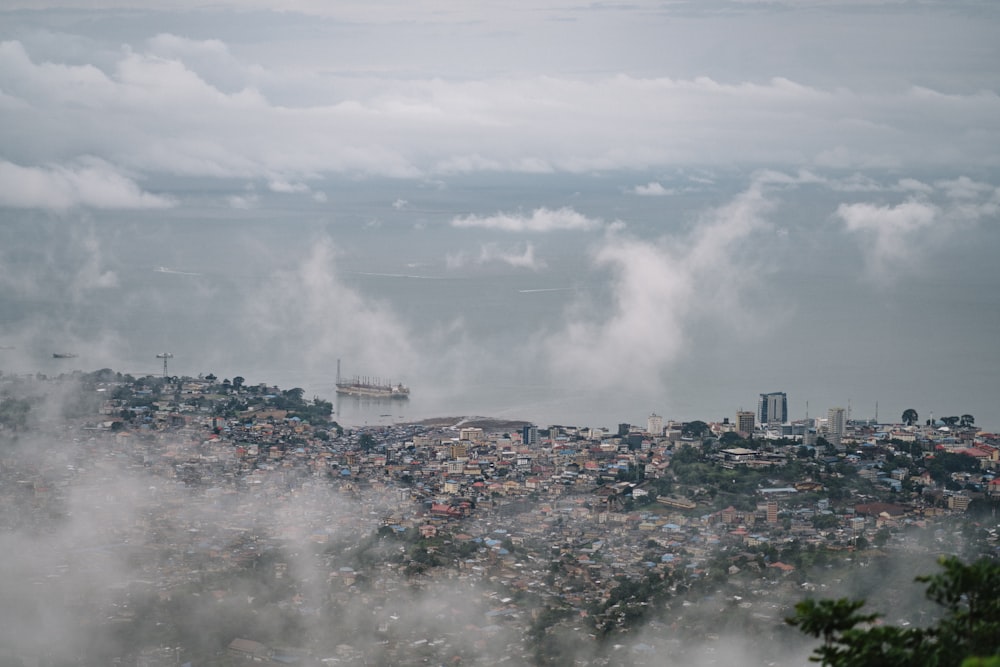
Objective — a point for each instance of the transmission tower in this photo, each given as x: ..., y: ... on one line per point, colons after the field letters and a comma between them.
x: 165, y: 356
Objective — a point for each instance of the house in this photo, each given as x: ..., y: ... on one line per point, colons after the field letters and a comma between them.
x: 878, y: 509
x: 249, y: 650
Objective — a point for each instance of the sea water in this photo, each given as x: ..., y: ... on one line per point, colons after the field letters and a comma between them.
x: 378, y: 276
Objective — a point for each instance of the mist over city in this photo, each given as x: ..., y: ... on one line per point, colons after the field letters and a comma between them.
x: 439, y: 332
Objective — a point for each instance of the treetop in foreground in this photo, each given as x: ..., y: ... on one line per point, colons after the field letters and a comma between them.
x: 967, y: 634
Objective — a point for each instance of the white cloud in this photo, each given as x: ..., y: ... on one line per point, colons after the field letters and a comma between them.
x: 964, y: 188
x: 913, y: 185
x: 895, y: 238
x: 659, y: 289
x: 243, y: 202
x: 891, y: 233
x: 652, y: 189
x: 540, y: 220
x: 493, y: 253
x: 92, y: 274
x: 284, y: 187
x: 178, y: 106
x: 331, y: 320
x: 89, y: 183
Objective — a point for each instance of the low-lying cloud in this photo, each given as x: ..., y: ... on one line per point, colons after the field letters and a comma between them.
x: 540, y: 220
x: 652, y: 189
x: 308, y: 317
x: 493, y: 253
x: 659, y: 289
x: 168, y: 106
x: 88, y: 183
x: 894, y: 238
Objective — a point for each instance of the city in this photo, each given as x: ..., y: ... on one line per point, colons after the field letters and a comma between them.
x: 207, y: 522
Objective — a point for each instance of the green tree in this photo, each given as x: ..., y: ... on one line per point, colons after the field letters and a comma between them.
x: 695, y: 429
x: 969, y: 627
x: 910, y: 416
x: 730, y: 439
x: 943, y: 464
x: 366, y: 442
x: 967, y: 421
x: 294, y: 394
x: 14, y: 413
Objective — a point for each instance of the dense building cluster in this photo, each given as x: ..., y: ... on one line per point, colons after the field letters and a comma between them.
x: 456, y: 539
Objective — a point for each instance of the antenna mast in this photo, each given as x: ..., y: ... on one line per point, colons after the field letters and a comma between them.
x: 165, y: 356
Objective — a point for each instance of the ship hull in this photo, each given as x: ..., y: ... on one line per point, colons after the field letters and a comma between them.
x: 373, y: 391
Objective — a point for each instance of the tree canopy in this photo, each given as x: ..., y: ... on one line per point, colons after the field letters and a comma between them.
x: 695, y: 429
x: 968, y: 631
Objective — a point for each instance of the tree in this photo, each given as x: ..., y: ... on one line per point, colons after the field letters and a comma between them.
x: 969, y: 628
x: 366, y: 442
x: 950, y: 421
x: 943, y: 464
x: 695, y: 429
x: 238, y: 382
x: 730, y: 438
x: 910, y: 416
x: 294, y: 394
x: 967, y: 421
x: 14, y: 413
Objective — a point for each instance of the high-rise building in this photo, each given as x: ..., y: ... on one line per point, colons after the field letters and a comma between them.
x: 835, y: 426
x: 529, y: 435
x: 772, y: 408
x: 654, y: 424
x: 745, y: 422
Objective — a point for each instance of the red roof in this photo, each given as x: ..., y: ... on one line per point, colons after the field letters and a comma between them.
x: 972, y: 451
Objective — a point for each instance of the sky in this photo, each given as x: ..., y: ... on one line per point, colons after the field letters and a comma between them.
x: 701, y: 200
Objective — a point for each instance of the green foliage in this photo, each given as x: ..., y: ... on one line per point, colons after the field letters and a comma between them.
x: 14, y: 413
x: 945, y: 463
x: 695, y: 429
x: 971, y: 596
x: 732, y: 439
x: 970, y: 626
x: 366, y: 442
x: 993, y: 661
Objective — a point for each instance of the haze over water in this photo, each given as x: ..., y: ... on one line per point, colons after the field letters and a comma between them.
x: 676, y: 209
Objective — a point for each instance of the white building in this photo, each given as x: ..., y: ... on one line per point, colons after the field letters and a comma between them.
x: 835, y: 421
x: 654, y: 424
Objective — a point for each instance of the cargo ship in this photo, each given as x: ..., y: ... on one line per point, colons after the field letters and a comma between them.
x: 367, y: 387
